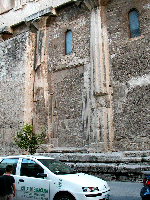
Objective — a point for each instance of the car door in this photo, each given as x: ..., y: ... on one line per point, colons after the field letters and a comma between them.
x: 29, y: 184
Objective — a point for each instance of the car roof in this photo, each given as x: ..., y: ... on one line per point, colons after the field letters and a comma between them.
x: 27, y: 157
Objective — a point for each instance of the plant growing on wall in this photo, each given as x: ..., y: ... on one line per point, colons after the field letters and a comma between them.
x: 28, y: 140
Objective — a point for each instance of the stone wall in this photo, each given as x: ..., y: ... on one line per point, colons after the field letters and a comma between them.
x: 97, y: 97
x: 68, y: 73
x: 12, y: 78
x: 130, y: 74
x: 5, y: 6
x: 59, y: 78
x: 18, y: 10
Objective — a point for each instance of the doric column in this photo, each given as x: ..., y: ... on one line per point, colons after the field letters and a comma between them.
x: 37, y: 24
x: 29, y: 78
x: 101, y: 89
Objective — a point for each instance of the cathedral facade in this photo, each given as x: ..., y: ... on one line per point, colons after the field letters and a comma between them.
x: 80, y: 68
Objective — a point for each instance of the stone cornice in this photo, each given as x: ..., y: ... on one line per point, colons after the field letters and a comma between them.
x: 38, y: 20
x: 6, y: 30
x: 45, y: 12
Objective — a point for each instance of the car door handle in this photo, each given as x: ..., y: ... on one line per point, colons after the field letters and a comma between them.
x: 21, y: 180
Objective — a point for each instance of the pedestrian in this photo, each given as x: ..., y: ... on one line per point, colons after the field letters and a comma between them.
x: 7, y: 184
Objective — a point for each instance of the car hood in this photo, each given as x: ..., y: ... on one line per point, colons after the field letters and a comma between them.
x: 85, y: 180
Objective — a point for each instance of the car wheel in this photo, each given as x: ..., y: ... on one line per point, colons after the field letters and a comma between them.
x: 65, y: 197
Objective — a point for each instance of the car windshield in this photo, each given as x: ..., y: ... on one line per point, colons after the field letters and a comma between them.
x: 57, y: 167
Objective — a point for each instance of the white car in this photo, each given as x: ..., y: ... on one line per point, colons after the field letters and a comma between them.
x: 44, y: 178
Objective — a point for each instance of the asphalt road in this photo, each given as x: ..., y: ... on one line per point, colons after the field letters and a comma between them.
x: 125, y: 190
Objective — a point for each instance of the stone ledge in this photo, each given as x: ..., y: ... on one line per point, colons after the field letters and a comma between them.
x: 109, y: 157
x: 120, y: 166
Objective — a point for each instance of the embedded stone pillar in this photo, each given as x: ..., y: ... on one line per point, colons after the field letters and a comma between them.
x: 101, y: 89
x: 41, y: 89
x: 29, y: 78
x: 35, y: 71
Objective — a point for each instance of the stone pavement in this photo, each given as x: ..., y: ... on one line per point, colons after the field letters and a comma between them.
x: 125, y: 190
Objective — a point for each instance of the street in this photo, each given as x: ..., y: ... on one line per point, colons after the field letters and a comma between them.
x: 125, y: 190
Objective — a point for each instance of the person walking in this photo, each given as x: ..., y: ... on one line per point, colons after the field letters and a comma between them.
x: 7, y: 184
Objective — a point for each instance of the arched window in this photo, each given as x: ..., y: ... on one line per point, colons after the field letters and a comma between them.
x: 68, y: 42
x: 134, y: 23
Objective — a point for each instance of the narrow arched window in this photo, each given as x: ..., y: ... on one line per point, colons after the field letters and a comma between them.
x: 134, y: 24
x: 68, y: 42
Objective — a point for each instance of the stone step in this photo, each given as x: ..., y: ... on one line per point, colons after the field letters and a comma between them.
x: 114, y: 157
x: 120, y: 166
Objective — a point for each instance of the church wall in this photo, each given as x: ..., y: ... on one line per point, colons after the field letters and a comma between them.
x: 130, y: 74
x: 12, y: 78
x: 68, y: 73
x: 65, y: 78
x: 5, y: 6
x: 73, y: 96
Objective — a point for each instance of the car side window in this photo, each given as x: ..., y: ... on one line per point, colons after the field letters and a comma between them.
x: 30, y: 168
x: 10, y: 161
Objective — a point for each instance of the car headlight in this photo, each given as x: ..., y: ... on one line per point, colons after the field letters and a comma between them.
x: 90, y: 189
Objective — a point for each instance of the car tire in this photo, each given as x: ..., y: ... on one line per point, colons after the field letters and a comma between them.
x: 65, y: 197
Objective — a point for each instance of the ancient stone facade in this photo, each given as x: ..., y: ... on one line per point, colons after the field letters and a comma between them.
x: 130, y: 73
x: 96, y: 98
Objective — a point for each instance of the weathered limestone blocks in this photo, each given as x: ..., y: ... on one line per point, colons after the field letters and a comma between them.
x: 96, y: 98
x: 123, y: 166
